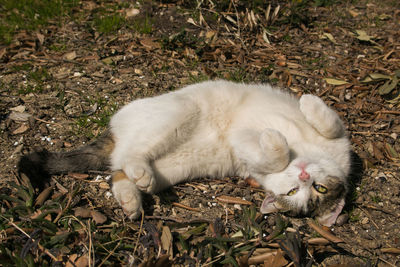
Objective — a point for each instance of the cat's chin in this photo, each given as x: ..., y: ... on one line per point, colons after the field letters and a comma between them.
x: 271, y: 205
x: 329, y: 219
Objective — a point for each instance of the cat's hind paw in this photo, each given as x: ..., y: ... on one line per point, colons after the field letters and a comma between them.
x: 142, y: 177
x: 321, y: 117
x: 129, y: 197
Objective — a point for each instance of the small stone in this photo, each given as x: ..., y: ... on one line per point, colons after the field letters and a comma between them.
x: 364, y: 220
x: 138, y: 71
x: 132, y: 12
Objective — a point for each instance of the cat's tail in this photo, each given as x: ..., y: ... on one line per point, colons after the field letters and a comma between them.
x: 38, y: 166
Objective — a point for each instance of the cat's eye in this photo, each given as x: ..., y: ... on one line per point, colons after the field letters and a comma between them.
x: 292, y: 192
x: 320, y: 188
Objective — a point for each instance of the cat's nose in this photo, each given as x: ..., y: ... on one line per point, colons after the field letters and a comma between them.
x: 304, y: 176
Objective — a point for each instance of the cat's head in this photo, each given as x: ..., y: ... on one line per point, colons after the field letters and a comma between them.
x: 311, y: 187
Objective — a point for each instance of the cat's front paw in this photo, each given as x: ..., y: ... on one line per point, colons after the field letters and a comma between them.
x: 275, y: 148
x: 128, y: 196
x: 142, y: 177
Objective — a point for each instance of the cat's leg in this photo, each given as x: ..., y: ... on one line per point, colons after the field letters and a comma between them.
x: 147, y: 130
x: 127, y: 194
x: 321, y: 117
x: 263, y: 152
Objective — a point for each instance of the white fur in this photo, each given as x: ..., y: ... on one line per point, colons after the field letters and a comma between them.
x: 220, y: 128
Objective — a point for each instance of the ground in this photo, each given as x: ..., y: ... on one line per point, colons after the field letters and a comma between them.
x: 67, y: 67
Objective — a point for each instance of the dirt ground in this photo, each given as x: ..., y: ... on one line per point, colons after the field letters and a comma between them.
x: 60, y: 84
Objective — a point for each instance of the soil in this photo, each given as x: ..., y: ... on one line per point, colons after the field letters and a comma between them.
x: 60, y: 99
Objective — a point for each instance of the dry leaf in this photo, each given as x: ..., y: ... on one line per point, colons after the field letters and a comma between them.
x: 388, y: 86
x: 2, y: 52
x: 43, y: 196
x: 378, y: 76
x: 378, y: 154
x: 363, y: 36
x: 278, y: 260
x: 74, y: 261
x: 191, y: 21
x: 267, y: 256
x: 325, y: 233
x: 82, y: 212
x: 83, y: 261
x: 70, y: 55
x: 19, y: 116
x: 19, y: 108
x: 318, y: 241
x: 233, y: 200
x: 98, y: 217
x: 166, y: 241
x: 335, y: 81
x: 79, y: 176
x: 150, y: 43
x: 40, y: 38
x: 328, y: 36
x: 391, y: 151
x: 21, y: 129
x: 71, y: 260
x: 390, y: 250
x: 353, y: 13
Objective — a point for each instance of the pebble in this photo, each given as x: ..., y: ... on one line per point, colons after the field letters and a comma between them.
x: 365, y: 220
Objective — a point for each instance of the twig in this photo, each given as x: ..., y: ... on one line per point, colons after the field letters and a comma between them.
x: 385, y: 261
x: 369, y: 216
x: 90, y: 245
x: 48, y: 253
x: 140, y: 232
x: 395, y: 112
x: 324, y: 233
x: 110, y: 253
x: 178, y: 220
x: 371, y: 133
x: 233, y: 200
x: 235, y: 246
x: 180, y: 205
x: 49, y: 122
x: 62, y: 210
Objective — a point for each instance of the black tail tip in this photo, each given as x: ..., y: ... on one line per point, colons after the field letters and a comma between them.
x: 33, y: 165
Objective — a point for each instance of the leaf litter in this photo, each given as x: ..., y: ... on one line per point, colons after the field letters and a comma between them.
x: 353, y: 66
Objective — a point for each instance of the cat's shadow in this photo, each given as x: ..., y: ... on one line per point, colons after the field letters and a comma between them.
x: 355, y: 177
x: 166, y: 197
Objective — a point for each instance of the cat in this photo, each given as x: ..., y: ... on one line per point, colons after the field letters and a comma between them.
x: 297, y: 149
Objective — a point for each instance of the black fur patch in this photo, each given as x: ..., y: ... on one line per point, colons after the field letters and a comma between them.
x: 40, y: 165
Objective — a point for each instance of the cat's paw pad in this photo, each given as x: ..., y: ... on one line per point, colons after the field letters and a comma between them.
x: 128, y: 196
x: 142, y: 177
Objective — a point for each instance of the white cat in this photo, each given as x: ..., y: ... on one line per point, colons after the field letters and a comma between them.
x: 296, y: 149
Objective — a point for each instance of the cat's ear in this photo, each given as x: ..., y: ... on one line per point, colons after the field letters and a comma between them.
x: 270, y: 205
x: 328, y: 219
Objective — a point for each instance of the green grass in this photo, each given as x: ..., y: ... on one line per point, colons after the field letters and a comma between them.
x: 88, y: 124
x: 17, y: 15
x: 109, y: 23
x: 142, y: 25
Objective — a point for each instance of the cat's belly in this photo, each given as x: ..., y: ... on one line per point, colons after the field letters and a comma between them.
x: 207, y: 157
